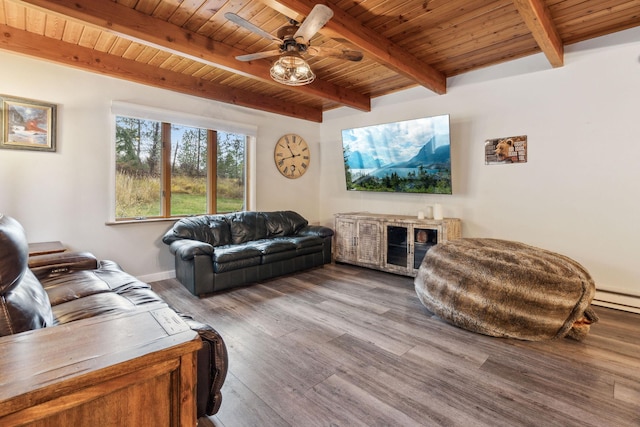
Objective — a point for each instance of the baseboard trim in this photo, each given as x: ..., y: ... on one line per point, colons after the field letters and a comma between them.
x: 163, y: 275
x: 618, y: 300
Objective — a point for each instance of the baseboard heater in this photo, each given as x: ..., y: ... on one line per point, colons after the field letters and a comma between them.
x: 618, y: 300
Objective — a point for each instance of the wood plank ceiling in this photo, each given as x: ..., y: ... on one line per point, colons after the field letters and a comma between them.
x: 189, y: 46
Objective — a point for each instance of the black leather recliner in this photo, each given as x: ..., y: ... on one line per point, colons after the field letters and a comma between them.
x: 55, y: 289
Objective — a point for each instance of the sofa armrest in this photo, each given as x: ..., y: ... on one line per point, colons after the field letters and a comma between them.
x: 315, y: 230
x: 169, y: 237
x: 188, y: 249
x: 44, y: 266
x: 213, y: 363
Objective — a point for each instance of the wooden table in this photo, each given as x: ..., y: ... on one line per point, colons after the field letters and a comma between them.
x: 137, y: 369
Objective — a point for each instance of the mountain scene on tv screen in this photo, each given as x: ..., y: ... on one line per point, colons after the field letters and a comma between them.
x: 412, y: 156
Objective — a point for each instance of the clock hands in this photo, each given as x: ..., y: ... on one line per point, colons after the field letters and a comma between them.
x: 281, y: 161
x: 286, y: 140
x: 290, y: 150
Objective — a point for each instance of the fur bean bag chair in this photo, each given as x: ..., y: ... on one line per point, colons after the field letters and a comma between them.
x: 507, y: 289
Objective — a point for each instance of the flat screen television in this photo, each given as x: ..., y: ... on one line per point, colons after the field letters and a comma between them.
x: 412, y: 156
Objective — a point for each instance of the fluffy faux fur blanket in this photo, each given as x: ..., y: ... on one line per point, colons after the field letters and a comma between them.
x: 507, y: 289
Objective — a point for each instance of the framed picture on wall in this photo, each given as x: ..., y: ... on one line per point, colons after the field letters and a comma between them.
x: 27, y: 124
x: 512, y: 149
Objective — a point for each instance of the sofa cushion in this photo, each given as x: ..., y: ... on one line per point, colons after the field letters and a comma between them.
x: 247, y: 226
x: 315, y: 230
x: 309, y: 250
x: 284, y: 223
x: 272, y: 246
x: 275, y: 249
x: 14, y: 252
x: 223, y: 267
x: 278, y: 256
x: 211, y: 229
x: 107, y: 278
x: 305, y: 241
x: 24, y: 305
x: 235, y: 257
x: 235, y: 252
x: 68, y: 287
x: 91, y: 306
x: 119, y: 281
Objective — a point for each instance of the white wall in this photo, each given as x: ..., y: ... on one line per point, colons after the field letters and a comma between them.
x: 65, y: 195
x: 578, y: 194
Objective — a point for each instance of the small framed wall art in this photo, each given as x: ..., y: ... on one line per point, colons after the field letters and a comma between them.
x: 512, y: 149
x: 27, y: 124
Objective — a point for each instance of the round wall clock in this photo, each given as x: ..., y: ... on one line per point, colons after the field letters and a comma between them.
x: 292, y: 155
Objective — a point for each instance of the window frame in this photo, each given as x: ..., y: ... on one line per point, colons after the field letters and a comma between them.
x: 167, y: 118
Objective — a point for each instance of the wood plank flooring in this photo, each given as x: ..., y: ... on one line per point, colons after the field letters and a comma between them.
x: 347, y: 346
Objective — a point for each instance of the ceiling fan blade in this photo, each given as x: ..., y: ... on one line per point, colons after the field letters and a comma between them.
x: 259, y: 55
x: 236, y: 19
x: 349, y: 55
x: 320, y: 15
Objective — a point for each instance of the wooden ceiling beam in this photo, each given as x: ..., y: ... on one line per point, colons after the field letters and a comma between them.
x: 141, y: 28
x: 87, y: 59
x: 538, y: 19
x: 375, y: 45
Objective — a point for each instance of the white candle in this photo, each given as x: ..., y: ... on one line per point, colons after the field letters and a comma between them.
x: 437, y: 211
x: 429, y: 214
x: 420, y: 215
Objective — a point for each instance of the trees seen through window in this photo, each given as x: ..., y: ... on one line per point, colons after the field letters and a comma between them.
x: 181, y: 163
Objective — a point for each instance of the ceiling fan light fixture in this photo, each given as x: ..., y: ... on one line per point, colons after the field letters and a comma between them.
x: 291, y: 70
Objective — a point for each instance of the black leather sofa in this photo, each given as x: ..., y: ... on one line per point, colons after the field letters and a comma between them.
x: 50, y: 290
x: 216, y: 252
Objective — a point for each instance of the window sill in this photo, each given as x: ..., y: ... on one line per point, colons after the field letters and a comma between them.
x: 142, y: 221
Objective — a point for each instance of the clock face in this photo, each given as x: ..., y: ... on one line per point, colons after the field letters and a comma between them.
x: 292, y: 156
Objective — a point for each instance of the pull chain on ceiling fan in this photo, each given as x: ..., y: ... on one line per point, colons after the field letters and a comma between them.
x: 294, y: 40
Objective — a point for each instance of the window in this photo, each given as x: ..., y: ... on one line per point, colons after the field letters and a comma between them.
x: 165, y: 169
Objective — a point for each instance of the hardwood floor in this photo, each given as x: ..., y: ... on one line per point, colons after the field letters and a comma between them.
x: 347, y: 346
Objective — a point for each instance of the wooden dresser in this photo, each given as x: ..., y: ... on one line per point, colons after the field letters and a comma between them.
x: 137, y: 369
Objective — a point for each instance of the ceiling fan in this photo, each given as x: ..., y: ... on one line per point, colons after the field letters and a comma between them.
x: 293, y: 40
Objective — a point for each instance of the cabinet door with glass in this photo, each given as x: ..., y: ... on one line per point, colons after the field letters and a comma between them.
x: 396, y: 254
x: 424, y: 238
x: 407, y: 245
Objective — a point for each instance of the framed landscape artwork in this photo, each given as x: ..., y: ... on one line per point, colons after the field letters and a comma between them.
x: 27, y: 124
